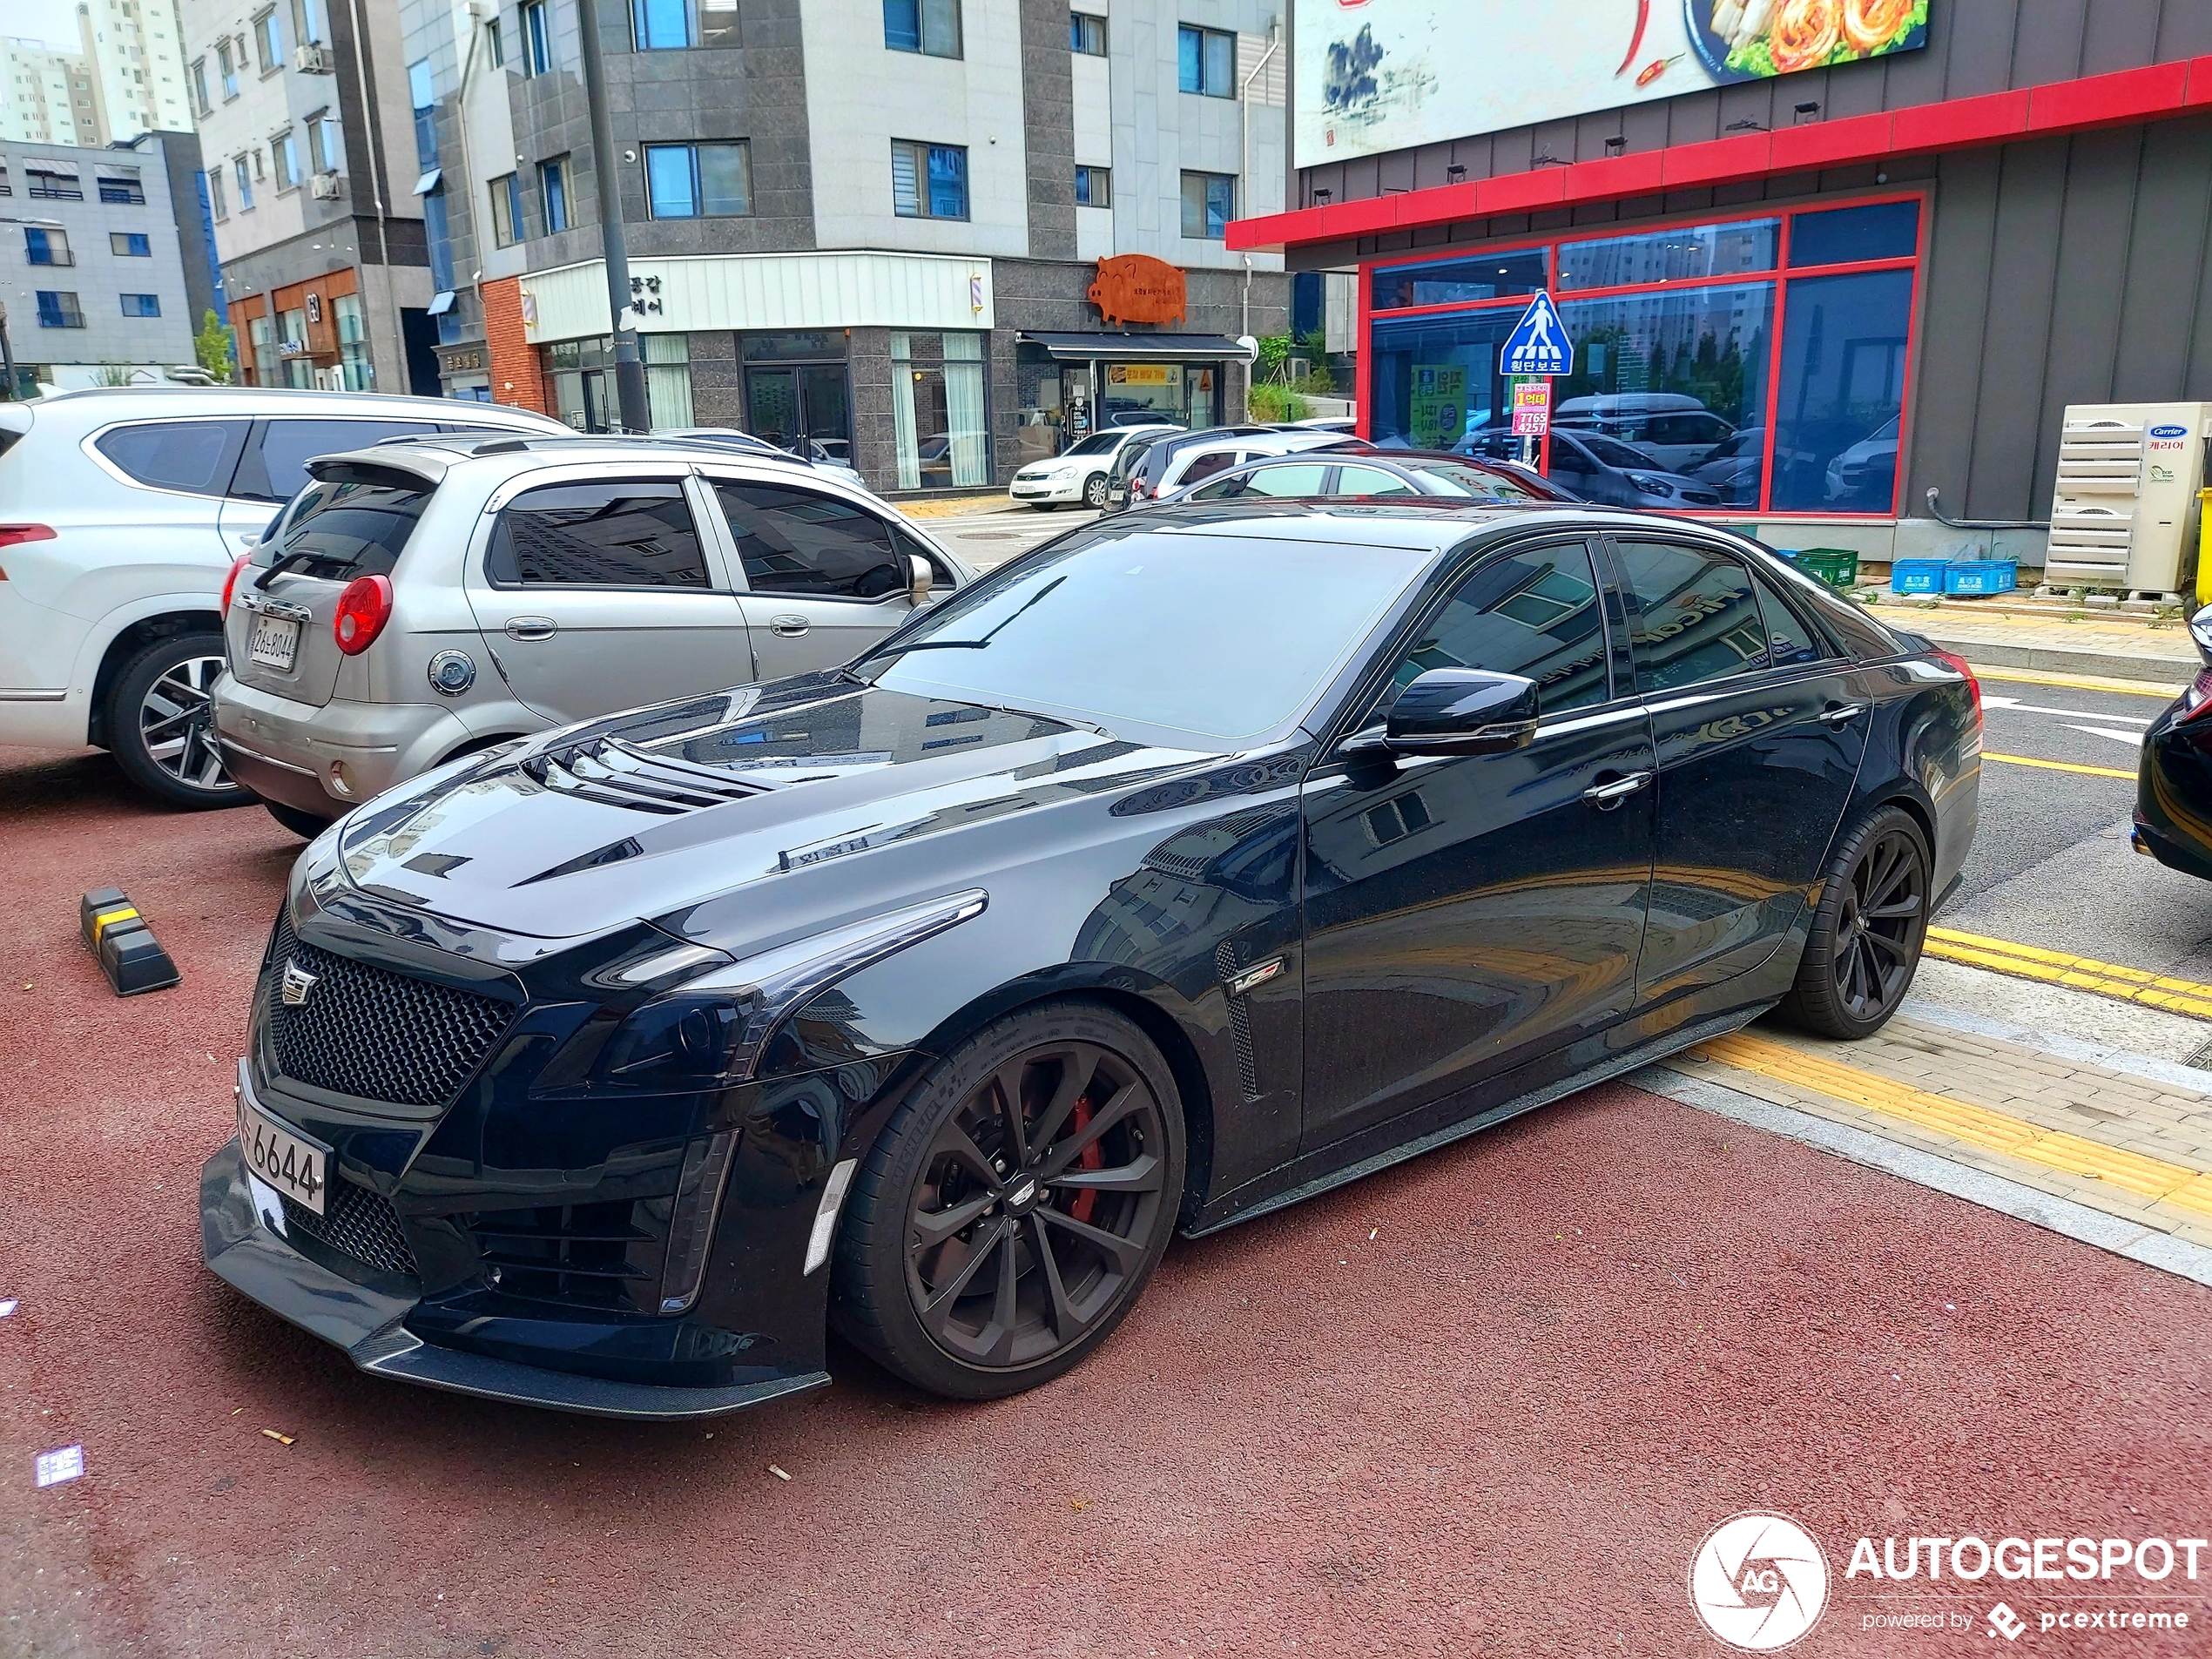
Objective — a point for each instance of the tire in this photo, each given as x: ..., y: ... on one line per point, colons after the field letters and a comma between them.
x: 1085, y: 1236
x: 1044, y: 506
x: 1867, y: 930
x: 307, y: 825
x: 1095, y: 493
x: 161, y: 725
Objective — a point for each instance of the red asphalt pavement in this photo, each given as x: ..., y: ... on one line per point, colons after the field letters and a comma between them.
x: 1486, y: 1403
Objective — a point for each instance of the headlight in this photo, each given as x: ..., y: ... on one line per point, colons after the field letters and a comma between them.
x: 1649, y: 485
x: 711, y: 1031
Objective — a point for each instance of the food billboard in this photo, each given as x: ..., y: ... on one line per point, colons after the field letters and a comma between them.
x: 1377, y: 74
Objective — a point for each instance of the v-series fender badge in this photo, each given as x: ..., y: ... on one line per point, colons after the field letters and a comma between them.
x: 1252, y: 978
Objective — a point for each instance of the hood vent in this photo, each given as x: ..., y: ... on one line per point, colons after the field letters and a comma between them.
x: 615, y: 773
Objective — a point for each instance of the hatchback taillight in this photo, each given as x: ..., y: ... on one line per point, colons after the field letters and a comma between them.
x: 2196, y: 702
x: 1951, y: 659
x: 363, y: 609
x: 230, y: 581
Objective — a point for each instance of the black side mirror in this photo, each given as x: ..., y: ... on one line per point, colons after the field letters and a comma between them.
x: 1462, y: 712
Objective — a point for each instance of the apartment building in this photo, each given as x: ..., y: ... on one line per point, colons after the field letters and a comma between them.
x: 304, y: 126
x: 104, y: 265
x: 875, y: 227
x: 124, y: 77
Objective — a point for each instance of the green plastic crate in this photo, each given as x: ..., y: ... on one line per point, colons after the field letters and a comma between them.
x: 1837, y: 566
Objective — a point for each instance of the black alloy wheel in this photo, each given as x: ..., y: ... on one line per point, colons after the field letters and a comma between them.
x: 161, y: 722
x: 1095, y: 493
x: 1867, y: 930
x: 1013, y: 1208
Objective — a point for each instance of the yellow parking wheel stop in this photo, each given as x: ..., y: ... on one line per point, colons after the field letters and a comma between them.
x: 122, y: 944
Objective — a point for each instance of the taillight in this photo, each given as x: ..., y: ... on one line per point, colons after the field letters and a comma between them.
x: 363, y: 609
x: 11, y: 534
x: 1952, y: 659
x: 230, y: 581
x: 2196, y: 702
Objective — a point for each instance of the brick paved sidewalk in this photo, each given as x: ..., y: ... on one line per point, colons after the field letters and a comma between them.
x: 2136, y: 1144
x: 2117, y: 644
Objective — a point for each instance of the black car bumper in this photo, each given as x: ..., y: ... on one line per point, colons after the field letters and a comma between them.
x: 370, y: 1324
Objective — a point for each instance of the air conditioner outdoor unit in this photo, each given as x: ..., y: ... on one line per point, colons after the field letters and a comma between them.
x: 2124, y: 511
x: 1296, y: 368
x: 312, y: 59
x: 326, y: 186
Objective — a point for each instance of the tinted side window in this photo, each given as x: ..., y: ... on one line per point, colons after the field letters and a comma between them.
x: 1371, y: 481
x: 795, y: 543
x: 275, y: 465
x: 1534, y: 614
x: 1788, y: 638
x: 194, y: 456
x: 600, y: 534
x: 1696, y: 617
x: 343, y: 527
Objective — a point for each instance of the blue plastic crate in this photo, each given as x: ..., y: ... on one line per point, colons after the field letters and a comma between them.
x: 1982, y: 576
x: 1919, y: 575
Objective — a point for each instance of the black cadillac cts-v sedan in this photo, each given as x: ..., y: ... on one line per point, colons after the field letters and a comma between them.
x: 1192, y: 864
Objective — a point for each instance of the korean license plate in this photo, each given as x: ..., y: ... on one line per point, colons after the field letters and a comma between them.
x: 295, y: 1166
x: 275, y: 642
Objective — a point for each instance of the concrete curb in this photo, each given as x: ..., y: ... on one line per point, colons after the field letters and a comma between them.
x: 2176, y: 671
x: 2122, y: 1237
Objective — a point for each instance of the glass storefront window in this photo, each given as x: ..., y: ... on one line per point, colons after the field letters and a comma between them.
x: 1433, y: 382
x: 353, y: 342
x: 267, y: 365
x: 668, y: 379
x: 1680, y: 255
x: 1447, y: 282
x: 937, y: 411
x: 1842, y: 393
x: 1848, y: 235
x: 1127, y: 389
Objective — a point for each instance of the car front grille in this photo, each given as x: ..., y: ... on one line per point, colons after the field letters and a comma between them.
x: 365, y: 1031
x: 359, y: 1223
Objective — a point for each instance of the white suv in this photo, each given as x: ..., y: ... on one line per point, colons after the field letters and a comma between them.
x: 120, y: 512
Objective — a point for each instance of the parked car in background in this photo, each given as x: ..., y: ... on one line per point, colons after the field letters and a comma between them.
x: 1863, y: 477
x: 1078, y: 473
x: 426, y: 599
x: 1169, y: 462
x: 1731, y: 470
x: 120, y: 511
x: 1672, y: 430
x: 1375, y: 475
x: 1202, y: 860
x: 1601, y: 469
x: 817, y: 453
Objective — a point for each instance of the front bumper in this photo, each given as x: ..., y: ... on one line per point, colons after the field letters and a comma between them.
x: 1052, y: 489
x: 284, y: 750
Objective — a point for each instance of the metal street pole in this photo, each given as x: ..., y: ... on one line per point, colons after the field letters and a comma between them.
x: 7, y: 358
x: 630, y: 368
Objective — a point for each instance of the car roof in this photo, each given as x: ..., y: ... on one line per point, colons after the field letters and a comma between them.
x: 434, y: 457
x: 108, y: 401
x: 1438, y: 523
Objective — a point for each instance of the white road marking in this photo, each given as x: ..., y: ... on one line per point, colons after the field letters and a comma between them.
x: 2015, y: 705
x: 2133, y: 739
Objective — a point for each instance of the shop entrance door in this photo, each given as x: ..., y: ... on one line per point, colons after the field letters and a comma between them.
x: 792, y: 403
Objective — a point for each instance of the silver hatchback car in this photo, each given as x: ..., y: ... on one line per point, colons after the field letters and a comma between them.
x: 422, y: 599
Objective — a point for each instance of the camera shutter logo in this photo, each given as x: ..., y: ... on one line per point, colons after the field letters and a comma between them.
x: 1759, y: 1581
x: 297, y: 982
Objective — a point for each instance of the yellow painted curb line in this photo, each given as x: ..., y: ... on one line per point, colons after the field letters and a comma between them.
x: 2080, y: 973
x: 2080, y: 682
x: 2059, y: 765
x: 2150, y: 1178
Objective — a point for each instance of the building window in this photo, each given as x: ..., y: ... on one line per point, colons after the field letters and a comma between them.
x: 285, y: 153
x: 268, y: 41
x: 130, y: 245
x: 1087, y: 34
x: 326, y: 147
x: 698, y: 180
x: 1094, y: 187
x: 59, y: 310
x: 537, y: 38
x: 938, y: 415
x: 928, y: 180
x: 668, y: 379
x: 47, y: 247
x: 663, y: 25
x: 1209, y: 203
x: 268, y: 368
x: 307, y: 20
x: 353, y: 343
x: 244, y: 175
x: 217, y: 201
x: 422, y: 93
x: 54, y: 184
x: 123, y: 186
x: 1206, y: 61
x: 199, y: 104
x: 553, y: 192
x: 142, y: 305
x: 227, y: 63
x: 1707, y: 375
x: 507, y: 227
x: 931, y: 26
x: 496, y: 41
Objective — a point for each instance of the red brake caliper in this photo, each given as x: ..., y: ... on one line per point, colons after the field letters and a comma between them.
x: 1091, y: 1158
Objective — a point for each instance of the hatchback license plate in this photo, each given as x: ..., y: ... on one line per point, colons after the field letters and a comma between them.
x: 294, y: 1166
x: 276, y: 643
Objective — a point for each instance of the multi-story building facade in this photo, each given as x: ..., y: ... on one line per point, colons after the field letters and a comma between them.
x: 304, y: 124
x: 104, y: 264
x: 874, y: 225
x: 124, y: 77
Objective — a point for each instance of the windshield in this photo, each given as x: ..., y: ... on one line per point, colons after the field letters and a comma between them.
x: 1217, y: 638
x: 1097, y: 444
x: 347, y: 524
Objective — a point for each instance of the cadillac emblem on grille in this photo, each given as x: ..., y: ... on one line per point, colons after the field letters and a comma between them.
x: 297, y: 982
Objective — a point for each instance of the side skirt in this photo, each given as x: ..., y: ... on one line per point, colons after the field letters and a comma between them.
x: 1673, y: 1042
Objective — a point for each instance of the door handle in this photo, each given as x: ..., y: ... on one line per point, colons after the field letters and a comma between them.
x: 1842, y: 716
x: 531, y: 628
x: 1606, y: 797
x: 788, y: 627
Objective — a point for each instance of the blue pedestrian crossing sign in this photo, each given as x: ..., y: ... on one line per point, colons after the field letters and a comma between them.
x: 1538, y: 344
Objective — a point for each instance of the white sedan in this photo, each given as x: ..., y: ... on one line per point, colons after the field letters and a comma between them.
x: 1078, y: 473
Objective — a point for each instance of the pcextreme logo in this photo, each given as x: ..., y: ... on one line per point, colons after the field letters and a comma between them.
x: 1759, y: 1581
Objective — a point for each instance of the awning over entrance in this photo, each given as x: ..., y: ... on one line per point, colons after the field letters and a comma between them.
x: 1078, y: 347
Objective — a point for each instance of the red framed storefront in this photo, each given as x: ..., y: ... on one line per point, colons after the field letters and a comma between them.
x: 1531, y: 262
